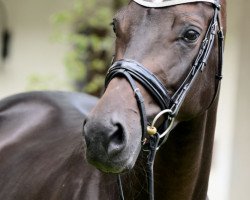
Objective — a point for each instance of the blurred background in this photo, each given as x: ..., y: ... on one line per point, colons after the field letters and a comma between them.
x: 65, y: 45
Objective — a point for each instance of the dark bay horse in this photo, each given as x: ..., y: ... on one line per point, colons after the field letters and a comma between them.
x: 42, y: 150
x: 166, y: 59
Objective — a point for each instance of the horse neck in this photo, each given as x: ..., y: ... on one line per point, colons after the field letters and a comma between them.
x: 182, y: 166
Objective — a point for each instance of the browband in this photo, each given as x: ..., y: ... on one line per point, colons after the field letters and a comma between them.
x: 166, y: 3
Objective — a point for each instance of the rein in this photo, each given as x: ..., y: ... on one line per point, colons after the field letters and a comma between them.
x: 153, y: 139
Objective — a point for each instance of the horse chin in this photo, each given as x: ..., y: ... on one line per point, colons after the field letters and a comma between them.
x: 119, y: 163
x: 110, y: 167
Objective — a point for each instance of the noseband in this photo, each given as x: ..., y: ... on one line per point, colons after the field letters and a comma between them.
x: 153, y: 139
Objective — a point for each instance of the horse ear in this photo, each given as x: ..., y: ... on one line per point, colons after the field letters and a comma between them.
x: 5, y: 43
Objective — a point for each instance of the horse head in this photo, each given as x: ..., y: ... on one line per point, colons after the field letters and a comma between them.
x: 166, y: 41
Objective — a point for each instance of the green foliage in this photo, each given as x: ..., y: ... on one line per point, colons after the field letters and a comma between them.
x: 91, y: 39
x: 85, y: 28
x: 46, y: 82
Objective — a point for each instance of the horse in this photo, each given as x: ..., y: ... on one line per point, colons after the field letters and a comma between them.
x: 161, y: 95
x: 56, y: 145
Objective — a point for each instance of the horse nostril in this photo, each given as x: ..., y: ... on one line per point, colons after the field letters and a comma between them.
x: 110, y: 137
x: 117, y: 136
x: 86, y: 132
x: 116, y: 140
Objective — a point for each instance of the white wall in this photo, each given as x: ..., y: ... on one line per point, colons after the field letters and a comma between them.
x: 31, y: 48
x: 241, y: 142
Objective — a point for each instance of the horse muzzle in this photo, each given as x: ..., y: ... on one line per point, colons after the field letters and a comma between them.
x: 110, y: 146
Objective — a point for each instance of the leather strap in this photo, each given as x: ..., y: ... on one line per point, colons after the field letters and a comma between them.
x: 119, y: 71
x: 166, y: 3
x: 143, y: 76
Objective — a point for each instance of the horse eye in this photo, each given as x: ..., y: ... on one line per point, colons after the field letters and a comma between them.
x: 191, y: 36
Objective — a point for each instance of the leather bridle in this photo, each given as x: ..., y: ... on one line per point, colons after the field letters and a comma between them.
x: 152, y: 139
